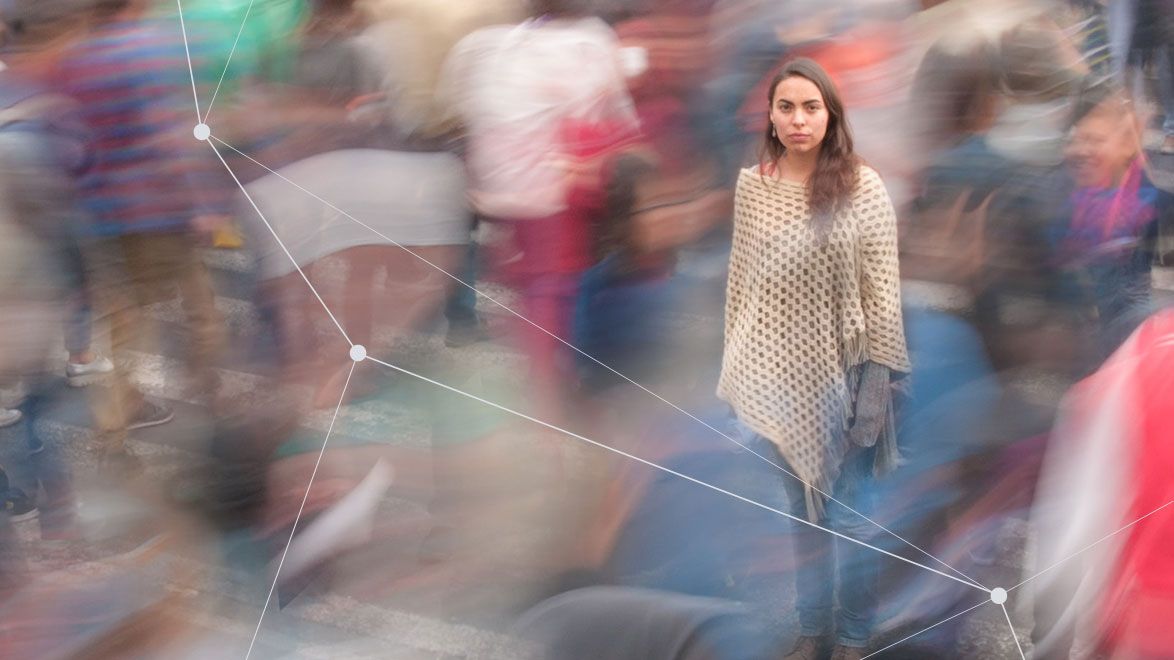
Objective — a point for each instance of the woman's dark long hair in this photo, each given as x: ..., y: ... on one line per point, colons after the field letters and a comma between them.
x: 837, y: 170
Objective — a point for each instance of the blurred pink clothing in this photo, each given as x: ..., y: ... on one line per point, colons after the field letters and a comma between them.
x: 1100, y: 517
x: 520, y: 91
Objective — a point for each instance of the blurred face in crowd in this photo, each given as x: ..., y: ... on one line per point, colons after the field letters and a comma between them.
x: 1102, y: 146
x: 799, y: 115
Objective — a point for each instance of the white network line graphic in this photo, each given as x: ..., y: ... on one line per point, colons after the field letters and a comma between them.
x: 971, y: 582
x: 227, y: 61
x: 1014, y: 635
x: 919, y: 632
x: 188, y: 52
x: 358, y: 354
x: 305, y: 497
x: 280, y: 243
x: 662, y: 468
x: 1090, y: 546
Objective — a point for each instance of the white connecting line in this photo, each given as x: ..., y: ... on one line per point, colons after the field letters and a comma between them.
x: 906, y: 639
x: 207, y: 136
x: 356, y: 357
x: 1014, y: 635
x: 305, y: 497
x: 661, y: 468
x: 188, y: 52
x: 1001, y: 599
x: 1091, y: 545
x: 227, y: 61
x: 280, y: 243
x: 359, y: 353
x: 969, y: 581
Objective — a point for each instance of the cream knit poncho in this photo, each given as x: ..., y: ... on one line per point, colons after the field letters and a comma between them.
x: 800, y: 316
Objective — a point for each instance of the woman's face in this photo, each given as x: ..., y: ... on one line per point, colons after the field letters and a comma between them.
x: 1100, y: 150
x: 799, y: 115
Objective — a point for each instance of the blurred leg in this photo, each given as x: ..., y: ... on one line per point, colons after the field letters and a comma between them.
x: 78, y: 335
x: 856, y: 565
x: 548, y: 302
x: 814, y: 565
x: 206, y: 331
x: 114, y: 403
x: 163, y: 264
x: 49, y: 469
x: 363, y: 264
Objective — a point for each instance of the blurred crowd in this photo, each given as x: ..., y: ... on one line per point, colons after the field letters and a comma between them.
x: 530, y: 202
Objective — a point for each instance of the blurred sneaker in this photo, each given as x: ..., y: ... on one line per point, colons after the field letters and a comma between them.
x: 150, y: 414
x: 847, y: 653
x: 79, y: 374
x: 808, y: 648
x: 9, y: 416
x: 19, y: 506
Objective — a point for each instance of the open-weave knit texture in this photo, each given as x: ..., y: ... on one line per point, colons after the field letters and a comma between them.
x: 801, y: 313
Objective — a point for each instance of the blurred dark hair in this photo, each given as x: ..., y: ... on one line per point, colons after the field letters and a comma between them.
x: 837, y: 170
x: 1094, y: 96
x: 954, y: 90
x: 1031, y: 57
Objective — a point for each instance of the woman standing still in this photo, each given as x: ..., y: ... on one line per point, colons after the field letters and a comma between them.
x: 813, y: 338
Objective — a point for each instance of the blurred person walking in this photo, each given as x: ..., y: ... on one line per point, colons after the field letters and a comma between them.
x: 543, y: 103
x: 1011, y: 159
x: 330, y: 127
x: 814, y: 336
x: 128, y: 76
x: 40, y: 269
x: 1109, y: 243
x: 1103, y: 573
x: 26, y: 60
x: 415, y: 37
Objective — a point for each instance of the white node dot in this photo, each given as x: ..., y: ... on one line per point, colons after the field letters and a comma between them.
x: 358, y: 353
x: 202, y: 132
x: 999, y: 596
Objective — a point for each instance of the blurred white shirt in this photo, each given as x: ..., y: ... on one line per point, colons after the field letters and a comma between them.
x: 514, y: 88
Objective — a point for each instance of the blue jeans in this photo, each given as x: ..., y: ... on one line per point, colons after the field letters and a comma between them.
x: 49, y: 470
x: 829, y: 566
